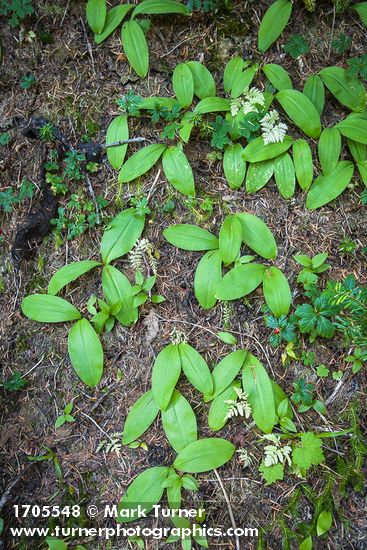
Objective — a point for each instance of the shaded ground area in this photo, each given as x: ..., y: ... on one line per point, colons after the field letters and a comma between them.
x: 77, y: 87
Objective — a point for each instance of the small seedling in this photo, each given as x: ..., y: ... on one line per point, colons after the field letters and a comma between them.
x: 312, y: 267
x: 296, y: 46
x: 66, y: 417
x: 27, y: 81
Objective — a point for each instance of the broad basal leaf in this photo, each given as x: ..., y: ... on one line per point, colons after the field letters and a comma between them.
x: 226, y: 371
x: 121, y: 235
x: 204, y: 455
x: 327, y: 188
x: 219, y: 408
x: 276, y: 291
x: 204, y: 84
x: 285, y: 177
x: 353, y: 128
x: 233, y: 71
x: 117, y: 289
x: 195, y: 368
x: 243, y: 81
x: 257, y: 384
x: 159, y: 7
x: 303, y: 165
x: 240, y: 281
x: 146, y: 489
x: 183, y: 85
x: 329, y: 149
x: 190, y: 237
x: 361, y: 9
x: 273, y: 23
x: 179, y: 422
x: 301, y: 111
x: 178, y: 171
x: 118, y: 130
x: 257, y: 236
x: 49, y: 309
x: 277, y: 76
x: 234, y: 165
x: 258, y: 175
x: 257, y: 151
x: 86, y: 353
x: 141, y: 415
x: 230, y: 239
x: 357, y: 150
x: 135, y: 47
x: 213, y: 105
x: 166, y: 371
x: 315, y: 91
x: 113, y: 19
x: 140, y: 162
x: 349, y: 91
x: 208, y: 275
x: 69, y: 273
x: 96, y: 15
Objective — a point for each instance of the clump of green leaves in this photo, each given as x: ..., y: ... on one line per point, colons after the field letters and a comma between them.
x: 27, y: 81
x: 66, y: 416
x: 5, y: 138
x: 47, y: 132
x: 13, y: 196
x: 283, y: 330
x: 207, y: 6
x: 16, y: 10
x: 312, y: 267
x: 303, y: 396
x: 129, y: 103
x: 341, y: 44
x: 358, y: 66
x: 296, y: 46
x: 14, y: 383
x: 347, y: 247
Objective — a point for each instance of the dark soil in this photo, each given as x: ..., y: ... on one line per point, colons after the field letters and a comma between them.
x: 78, y: 84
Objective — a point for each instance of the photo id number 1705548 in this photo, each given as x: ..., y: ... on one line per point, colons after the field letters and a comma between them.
x: 36, y: 511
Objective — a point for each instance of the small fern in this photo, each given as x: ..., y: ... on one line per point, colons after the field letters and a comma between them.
x: 276, y: 453
x: 112, y: 445
x: 244, y: 457
x: 239, y: 406
x: 143, y: 249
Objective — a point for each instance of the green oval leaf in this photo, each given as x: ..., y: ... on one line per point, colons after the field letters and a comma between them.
x: 302, y: 160
x: 146, y: 489
x: 96, y: 11
x: 240, y: 281
x: 86, y: 353
x: 190, y: 237
x: 117, y: 130
x: 285, y: 176
x: 117, y: 289
x: 179, y: 422
x: 301, y: 111
x: 230, y: 238
x: 219, y: 408
x: 276, y: 291
x: 208, y: 275
x: 349, y: 91
x: 277, y: 76
x: 232, y: 72
x: 204, y: 455
x: 141, y: 416
x: 213, y: 105
x: 273, y: 23
x: 178, y: 171
x: 121, y: 235
x: 243, y: 81
x: 183, y: 85
x: 257, y: 384
x: 357, y: 150
x: 227, y: 338
x: 226, y: 371
x: 159, y: 7
x: 69, y: 273
x: 234, y: 165
x: 257, y: 235
x: 327, y: 188
x: 166, y: 371
x: 361, y: 9
x: 315, y: 91
x: 257, y: 151
x: 113, y: 19
x: 195, y: 368
x: 329, y: 149
x: 140, y: 162
x: 353, y: 128
x: 135, y: 47
x: 204, y: 84
x: 49, y: 309
x: 258, y: 175
x: 324, y: 522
